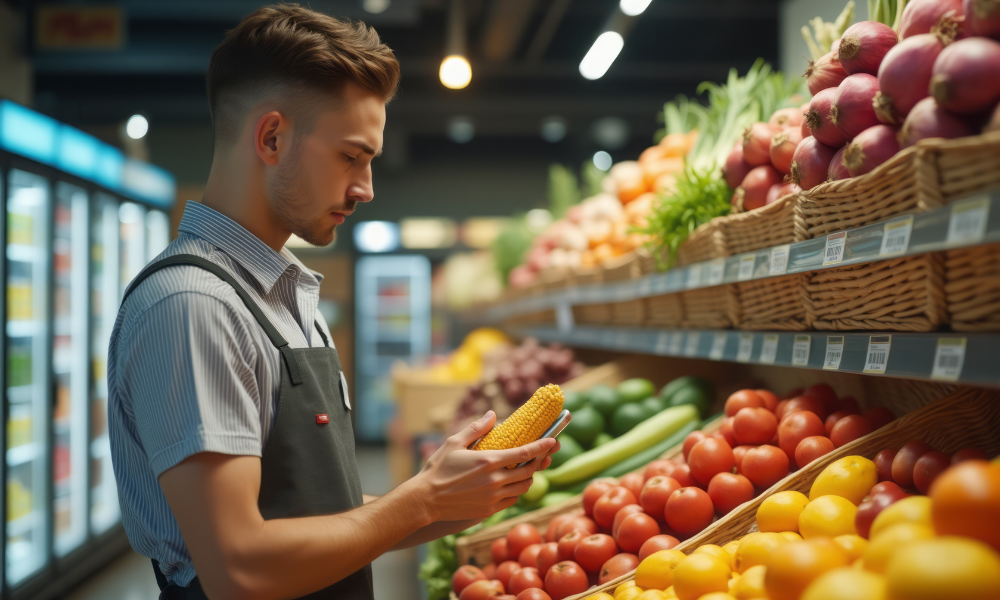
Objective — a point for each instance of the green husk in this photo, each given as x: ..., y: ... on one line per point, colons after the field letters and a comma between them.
x: 827, y: 33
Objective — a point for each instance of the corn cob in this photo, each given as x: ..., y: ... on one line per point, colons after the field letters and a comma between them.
x: 528, y: 423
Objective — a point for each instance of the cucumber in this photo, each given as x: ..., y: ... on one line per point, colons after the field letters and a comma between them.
x: 641, y: 459
x: 555, y: 498
x: 644, y: 435
x: 539, y: 487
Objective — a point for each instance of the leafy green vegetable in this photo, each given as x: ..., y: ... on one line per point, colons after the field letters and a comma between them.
x: 680, y: 116
x: 564, y: 190
x: 511, y: 245
x: 888, y: 12
x: 593, y: 178
x: 827, y: 33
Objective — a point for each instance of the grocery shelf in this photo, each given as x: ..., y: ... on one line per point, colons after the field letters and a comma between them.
x: 949, y: 357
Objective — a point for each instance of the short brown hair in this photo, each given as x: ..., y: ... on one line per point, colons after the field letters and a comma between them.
x: 286, y: 48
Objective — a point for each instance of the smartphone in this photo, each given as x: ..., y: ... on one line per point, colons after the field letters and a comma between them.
x: 557, y: 426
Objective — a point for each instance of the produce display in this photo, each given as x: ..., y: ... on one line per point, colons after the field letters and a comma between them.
x: 466, y: 362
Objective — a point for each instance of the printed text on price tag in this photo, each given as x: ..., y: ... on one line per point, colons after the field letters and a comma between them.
x: 834, y: 252
x: 676, y: 342
x: 800, y: 350
x: 968, y: 219
x: 718, y: 346
x: 834, y: 352
x: 878, y: 353
x: 779, y: 260
x: 769, y: 349
x: 691, y: 348
x: 716, y: 271
x: 745, y: 348
x: 948, y: 359
x: 746, y: 267
x: 896, y: 236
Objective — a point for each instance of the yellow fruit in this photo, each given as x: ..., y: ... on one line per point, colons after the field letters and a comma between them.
x: 599, y: 596
x: 717, y: 596
x: 755, y: 548
x: 656, y: 572
x: 851, y: 477
x: 700, y: 574
x: 628, y: 584
x: 750, y: 585
x: 652, y: 595
x: 731, y: 549
x: 946, y: 567
x: 827, y: 516
x: 852, y: 545
x: 915, y: 509
x: 791, y: 536
x: 670, y: 592
x: 846, y: 583
x: 881, y: 549
x: 780, y: 512
x: 716, y: 551
x: 793, y: 566
x: 629, y: 594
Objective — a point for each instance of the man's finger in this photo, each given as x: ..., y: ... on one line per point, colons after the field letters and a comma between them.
x: 513, y: 490
x: 475, y: 430
x: 516, y: 456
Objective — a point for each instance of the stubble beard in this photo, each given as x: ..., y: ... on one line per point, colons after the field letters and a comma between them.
x: 291, y: 207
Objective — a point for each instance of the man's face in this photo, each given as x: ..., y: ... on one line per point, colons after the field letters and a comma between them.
x: 328, y: 170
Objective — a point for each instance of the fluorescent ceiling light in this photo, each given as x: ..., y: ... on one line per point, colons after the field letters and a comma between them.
x: 633, y: 7
x: 376, y: 6
x: 136, y: 127
x: 604, y: 52
x: 455, y: 73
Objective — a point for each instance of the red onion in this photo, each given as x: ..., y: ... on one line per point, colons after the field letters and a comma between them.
x: 852, y: 110
x: 982, y: 17
x: 780, y: 190
x: 825, y: 72
x: 818, y: 119
x: 870, y: 148
x: 735, y: 168
x: 966, y: 77
x: 757, y: 144
x: 837, y: 170
x: 786, y: 117
x: 928, y: 120
x: 927, y: 16
x: 905, y: 76
x: 783, y: 146
x: 863, y: 45
x: 804, y: 129
x: 756, y: 185
x: 810, y: 163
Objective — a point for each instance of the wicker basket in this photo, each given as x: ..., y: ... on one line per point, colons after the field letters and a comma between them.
x: 625, y: 268
x: 952, y: 169
x: 703, y: 244
x: 772, y: 304
x: 706, y: 308
x: 554, y: 280
x: 771, y: 225
x: 972, y: 288
x: 590, y: 314
x: 664, y: 311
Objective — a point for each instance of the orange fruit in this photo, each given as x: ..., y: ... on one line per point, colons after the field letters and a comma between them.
x: 656, y: 572
x: 791, y: 536
x: 853, y: 545
x: 625, y: 585
x: 780, y: 512
x: 881, y: 549
x: 717, y: 552
x: 700, y: 574
x: 846, y: 583
x: 827, y: 516
x: 652, y: 595
x: 750, y: 585
x: 755, y: 548
x: 629, y: 593
x: 793, y: 566
x: 717, y: 596
x: 966, y: 502
x: 600, y: 596
x: 915, y: 509
x: 945, y: 567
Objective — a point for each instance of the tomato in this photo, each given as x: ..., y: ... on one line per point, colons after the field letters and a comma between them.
x: 533, y: 594
x: 849, y: 429
x: 726, y: 431
x: 594, y: 550
x: 659, y: 467
x: 567, y: 544
x: 655, y: 494
x: 796, y: 427
x: 635, y: 530
x: 689, y: 510
x: 481, y: 590
x: 824, y: 394
x: 770, y: 399
x: 805, y: 403
x: 490, y: 571
x: 927, y: 468
x: 906, y: 458
x: 582, y: 523
x: 765, y: 466
x: 849, y: 405
x: 505, y: 570
x: 868, y: 510
x: 620, y: 516
x: 520, y: 537
x: 692, y: 438
x: 879, y: 416
x: 742, y: 399
x: 832, y: 419
x: 608, y: 505
x: 529, y: 556
x: 657, y: 543
x: 812, y: 448
x: 709, y: 457
x: 616, y: 567
x: 507, y: 596
x: 553, y: 528
x: 524, y: 579
x: 968, y: 454
x: 883, y: 464
x: 498, y: 550
x: 779, y: 410
x: 682, y: 475
x: 754, y: 426
x: 547, y: 556
x: 633, y: 481
x: 466, y: 575
x: 888, y: 487
x: 594, y: 490
x: 728, y: 491
x: 566, y: 579
x: 738, y: 453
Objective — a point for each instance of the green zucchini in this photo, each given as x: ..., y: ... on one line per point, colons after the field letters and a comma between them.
x: 555, y: 498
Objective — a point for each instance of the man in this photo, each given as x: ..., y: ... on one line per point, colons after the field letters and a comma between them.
x: 229, y: 415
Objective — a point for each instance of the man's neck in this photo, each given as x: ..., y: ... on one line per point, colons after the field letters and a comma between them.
x: 240, y: 196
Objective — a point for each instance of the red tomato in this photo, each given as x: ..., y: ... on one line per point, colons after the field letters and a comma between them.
x: 594, y: 490
x: 529, y: 556
x: 633, y: 481
x: 906, y: 458
x: 554, y: 524
x: 796, y: 427
x: 689, y: 510
x: 868, y: 510
x: 524, y: 579
x: 692, y: 438
x: 879, y: 416
x: 738, y: 453
x: 616, y: 567
x: 709, y: 457
x: 635, y: 530
x: 583, y: 523
x: 507, y: 596
x: 754, y: 426
x: 927, y: 468
x: 498, y: 550
x: 849, y: 405
x: 567, y: 544
x: 620, y: 516
x: 490, y: 571
x: 660, y: 467
x: 743, y: 399
x: 770, y: 399
x: 805, y: 403
x: 466, y: 575
x: 765, y: 466
x: 566, y: 579
x: 610, y: 503
x: 824, y: 394
x: 728, y: 491
x: 594, y: 550
x: 533, y: 594
x: 968, y: 454
x: 481, y: 590
x: 890, y: 488
x: 657, y: 543
x: 883, y: 464
x: 505, y: 570
x: 726, y: 431
x: 832, y: 419
x: 520, y: 537
x: 682, y: 475
x: 547, y: 556
x: 849, y: 429
x: 655, y: 494
x: 812, y: 448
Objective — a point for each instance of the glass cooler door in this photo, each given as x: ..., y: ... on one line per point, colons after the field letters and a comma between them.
x: 132, y: 243
x: 157, y: 233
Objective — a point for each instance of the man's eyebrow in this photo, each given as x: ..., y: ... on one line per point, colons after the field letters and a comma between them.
x: 364, y: 147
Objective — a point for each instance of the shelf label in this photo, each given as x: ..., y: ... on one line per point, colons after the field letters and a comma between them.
x: 746, y: 267
x: 662, y: 343
x: 779, y: 260
x: 621, y: 340
x: 948, y: 359
x: 800, y: 350
x: 718, y: 346
x: 644, y: 288
x: 769, y: 349
x: 968, y: 220
x: 694, y: 277
x: 896, y: 236
x: 716, y: 271
x: 834, y: 352
x: 835, y: 243
x: 691, y: 348
x: 878, y: 353
x: 564, y: 317
x: 745, y: 348
x: 676, y: 341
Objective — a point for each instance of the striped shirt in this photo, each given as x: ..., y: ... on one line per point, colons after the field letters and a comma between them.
x: 190, y: 370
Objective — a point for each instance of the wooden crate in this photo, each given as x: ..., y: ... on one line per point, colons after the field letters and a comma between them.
x: 417, y: 395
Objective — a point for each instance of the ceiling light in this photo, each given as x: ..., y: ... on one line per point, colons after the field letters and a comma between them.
x: 600, y: 56
x: 136, y: 127
x: 553, y: 129
x: 376, y: 6
x: 376, y: 236
x: 633, y: 7
x: 602, y: 160
x: 461, y: 130
x: 456, y: 73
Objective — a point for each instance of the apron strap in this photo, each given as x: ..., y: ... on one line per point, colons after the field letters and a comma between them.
x: 322, y: 334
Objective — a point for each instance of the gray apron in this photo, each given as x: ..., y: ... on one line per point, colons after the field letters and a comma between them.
x: 308, y: 465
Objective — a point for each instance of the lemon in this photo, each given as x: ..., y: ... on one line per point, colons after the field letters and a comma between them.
x: 629, y: 593
x: 717, y: 552
x: 791, y: 536
x: 946, y: 567
x: 780, y: 512
x: 852, y: 545
x: 793, y: 566
x: 881, y: 549
x: 846, y: 583
x: 652, y: 595
x: 827, y: 516
x: 717, y: 596
x: 731, y: 549
x: 599, y: 596
x: 755, y: 548
x: 656, y: 572
x: 915, y: 509
x: 851, y: 477
x: 700, y: 574
x: 625, y: 585
x: 750, y: 585
x: 670, y: 592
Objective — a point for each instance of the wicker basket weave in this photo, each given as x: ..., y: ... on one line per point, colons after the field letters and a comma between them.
x: 771, y: 225
x: 775, y: 303
x: 590, y: 314
x: 706, y: 308
x: 972, y: 288
x: 704, y: 243
x: 952, y: 169
x: 664, y: 311
x: 624, y: 268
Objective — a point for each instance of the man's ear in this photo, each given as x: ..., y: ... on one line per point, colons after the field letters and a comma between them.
x: 271, y: 137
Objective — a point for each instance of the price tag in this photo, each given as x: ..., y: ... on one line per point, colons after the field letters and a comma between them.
x: 645, y: 287
x: 716, y: 271
x: 769, y: 349
x: 621, y: 340
x: 691, y: 348
x: 968, y: 220
x: 896, y: 236
x: 564, y: 317
x: 718, y: 346
x: 662, y: 343
x: 694, y: 277
x: 948, y: 359
x: 779, y: 260
x: 834, y: 252
x: 745, y: 348
x: 878, y: 353
x: 676, y: 341
x: 800, y: 350
x: 834, y: 352
x: 746, y: 267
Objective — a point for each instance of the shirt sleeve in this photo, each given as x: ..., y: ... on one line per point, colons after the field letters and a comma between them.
x: 187, y: 367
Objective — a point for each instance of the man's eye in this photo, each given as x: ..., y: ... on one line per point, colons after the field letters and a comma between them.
x: 349, y: 157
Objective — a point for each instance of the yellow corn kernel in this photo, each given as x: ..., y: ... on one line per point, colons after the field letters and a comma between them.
x: 528, y: 423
